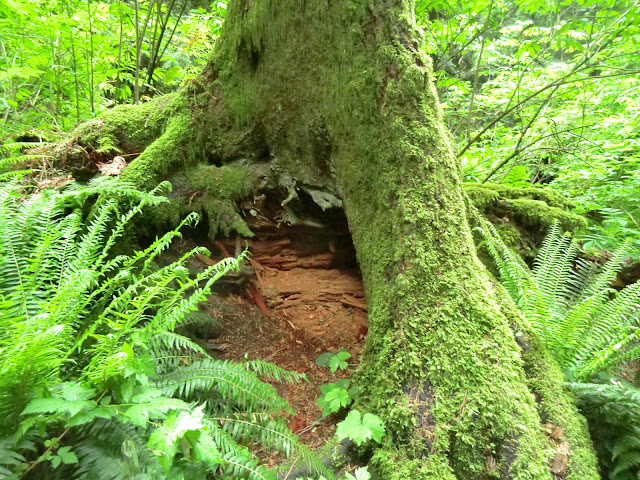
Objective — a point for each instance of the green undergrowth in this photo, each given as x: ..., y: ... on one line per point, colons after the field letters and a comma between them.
x: 94, y: 380
x: 590, y: 329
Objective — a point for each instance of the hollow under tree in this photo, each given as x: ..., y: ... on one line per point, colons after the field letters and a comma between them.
x: 333, y: 100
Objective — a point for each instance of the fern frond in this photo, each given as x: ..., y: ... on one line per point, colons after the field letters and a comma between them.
x: 245, y: 467
x: 68, y: 311
x: 274, y: 434
x: 231, y: 382
x: 585, y: 330
x: 274, y: 372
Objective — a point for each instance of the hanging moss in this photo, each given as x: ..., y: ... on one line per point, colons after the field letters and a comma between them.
x: 522, y: 216
x: 535, y: 207
x: 477, y: 191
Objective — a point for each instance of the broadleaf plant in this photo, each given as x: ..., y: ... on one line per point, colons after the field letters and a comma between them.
x: 360, y: 430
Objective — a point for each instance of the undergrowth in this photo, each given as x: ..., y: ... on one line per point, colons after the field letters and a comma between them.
x: 590, y: 328
x: 94, y: 381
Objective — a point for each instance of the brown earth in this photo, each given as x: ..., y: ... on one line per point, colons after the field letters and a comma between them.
x: 299, y: 296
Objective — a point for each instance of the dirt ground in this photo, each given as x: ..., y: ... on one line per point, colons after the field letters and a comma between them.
x: 301, y: 295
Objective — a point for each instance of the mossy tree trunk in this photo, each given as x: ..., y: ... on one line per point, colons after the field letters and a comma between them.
x: 334, y: 97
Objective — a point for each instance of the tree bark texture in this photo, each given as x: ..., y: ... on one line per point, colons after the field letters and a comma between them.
x: 333, y: 100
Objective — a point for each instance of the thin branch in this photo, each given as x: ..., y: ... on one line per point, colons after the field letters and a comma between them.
x: 518, y: 151
x: 581, y: 65
x: 565, y: 80
x: 475, y: 74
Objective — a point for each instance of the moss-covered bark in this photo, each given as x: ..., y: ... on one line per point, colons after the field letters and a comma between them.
x: 333, y: 97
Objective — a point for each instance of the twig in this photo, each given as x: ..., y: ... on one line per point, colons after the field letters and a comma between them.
x: 291, y: 469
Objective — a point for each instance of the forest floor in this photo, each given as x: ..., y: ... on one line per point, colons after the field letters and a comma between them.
x: 303, y: 296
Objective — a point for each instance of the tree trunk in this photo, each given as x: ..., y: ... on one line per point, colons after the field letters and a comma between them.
x: 332, y: 100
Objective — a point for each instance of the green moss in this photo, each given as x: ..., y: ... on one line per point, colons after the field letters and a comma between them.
x: 481, y: 197
x: 393, y: 464
x: 129, y: 128
x: 551, y: 197
x: 509, y: 234
x: 556, y: 404
x: 228, y: 182
x: 522, y: 216
x: 212, y: 192
x: 535, y: 206
x: 539, y: 213
x: 164, y: 154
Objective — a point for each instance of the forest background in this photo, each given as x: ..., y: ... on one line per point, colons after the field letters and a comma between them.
x: 533, y: 92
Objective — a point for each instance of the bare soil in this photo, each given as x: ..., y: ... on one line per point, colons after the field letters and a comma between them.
x: 300, y: 296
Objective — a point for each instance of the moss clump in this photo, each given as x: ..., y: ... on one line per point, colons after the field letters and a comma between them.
x: 214, y: 193
x: 547, y: 195
x: 128, y: 128
x: 231, y: 182
x: 394, y: 464
x: 522, y: 216
x: 509, y: 234
x: 165, y: 153
x: 481, y: 197
x: 538, y: 213
x: 535, y: 207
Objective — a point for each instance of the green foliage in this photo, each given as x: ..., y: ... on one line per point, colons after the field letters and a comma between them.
x: 360, y: 430
x: 63, y: 455
x: 545, y: 93
x: 334, y: 360
x: 94, y: 379
x: 335, y: 396
x: 65, y: 61
x: 586, y: 325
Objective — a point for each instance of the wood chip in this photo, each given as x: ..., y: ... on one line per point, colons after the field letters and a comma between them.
x: 557, y: 434
x: 352, y: 302
x: 113, y: 168
x: 254, y: 294
x: 202, y: 259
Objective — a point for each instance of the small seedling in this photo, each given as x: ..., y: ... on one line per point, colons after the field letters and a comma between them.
x: 361, y: 430
x: 335, y: 396
x: 334, y: 360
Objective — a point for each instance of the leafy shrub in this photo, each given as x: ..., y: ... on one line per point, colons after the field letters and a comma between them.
x: 94, y: 381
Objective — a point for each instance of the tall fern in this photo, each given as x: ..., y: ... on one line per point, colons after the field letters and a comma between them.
x: 589, y: 328
x: 587, y: 325
x: 94, y: 381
